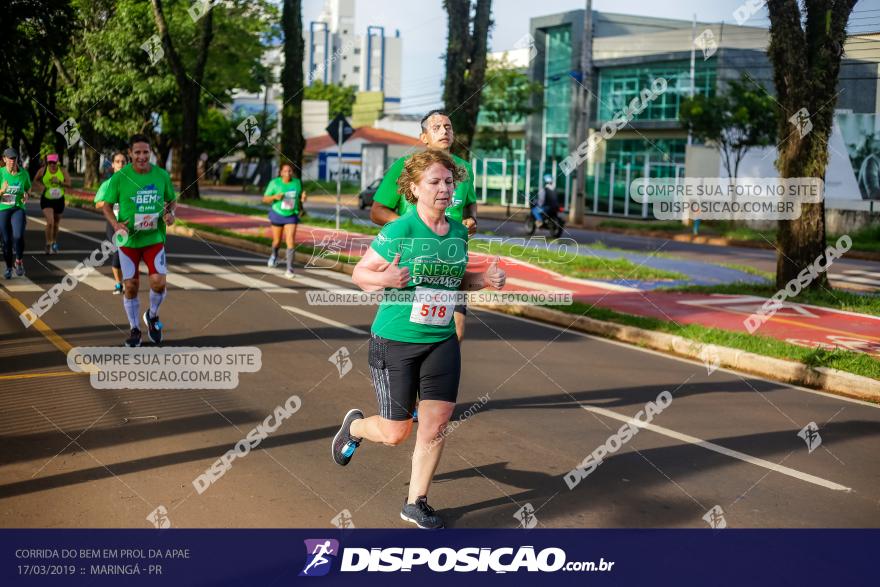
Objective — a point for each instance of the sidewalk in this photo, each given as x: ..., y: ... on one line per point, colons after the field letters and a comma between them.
x: 799, y: 324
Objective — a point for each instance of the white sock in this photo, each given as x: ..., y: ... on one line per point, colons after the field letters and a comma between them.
x: 132, y: 309
x: 290, y: 260
x: 156, y: 301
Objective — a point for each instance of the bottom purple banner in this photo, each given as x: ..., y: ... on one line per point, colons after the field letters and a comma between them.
x: 490, y: 557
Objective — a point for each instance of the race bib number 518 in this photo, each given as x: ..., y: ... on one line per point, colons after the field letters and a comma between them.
x: 432, y: 306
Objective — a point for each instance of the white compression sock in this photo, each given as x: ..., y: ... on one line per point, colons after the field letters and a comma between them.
x: 290, y: 260
x: 155, y: 301
x: 132, y: 309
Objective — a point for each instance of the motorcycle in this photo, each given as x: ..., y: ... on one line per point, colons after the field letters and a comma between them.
x: 555, y: 224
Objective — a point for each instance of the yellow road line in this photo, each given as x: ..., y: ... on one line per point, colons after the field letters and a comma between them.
x: 35, y: 375
x: 61, y: 344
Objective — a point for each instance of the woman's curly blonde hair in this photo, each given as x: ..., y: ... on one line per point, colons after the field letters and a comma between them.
x: 415, y: 168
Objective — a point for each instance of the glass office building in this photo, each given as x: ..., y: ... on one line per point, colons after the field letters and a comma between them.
x: 629, y: 53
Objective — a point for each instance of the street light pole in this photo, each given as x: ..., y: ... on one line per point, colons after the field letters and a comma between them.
x: 339, y: 173
x: 576, y: 210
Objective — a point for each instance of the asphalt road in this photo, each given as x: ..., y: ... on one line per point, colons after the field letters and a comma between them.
x: 74, y: 456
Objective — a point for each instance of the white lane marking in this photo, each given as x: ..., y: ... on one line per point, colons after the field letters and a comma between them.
x: 235, y: 276
x: 326, y: 273
x: 213, y: 257
x: 325, y: 320
x: 182, y: 281
x: 61, y: 252
x: 675, y: 358
x: 735, y: 454
x: 854, y: 279
x: 20, y: 284
x: 68, y: 231
x: 862, y: 272
x: 94, y: 279
x: 300, y: 279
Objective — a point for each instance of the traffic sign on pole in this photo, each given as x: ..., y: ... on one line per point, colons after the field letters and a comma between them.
x: 340, y: 131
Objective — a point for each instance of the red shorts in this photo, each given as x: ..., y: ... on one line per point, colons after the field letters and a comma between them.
x: 153, y: 255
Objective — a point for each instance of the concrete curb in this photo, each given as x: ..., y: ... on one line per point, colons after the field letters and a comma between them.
x: 822, y: 378
x: 830, y: 380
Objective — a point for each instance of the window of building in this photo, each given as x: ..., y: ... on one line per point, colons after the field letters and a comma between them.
x: 618, y: 86
x: 356, y: 68
x: 657, y: 158
x: 557, y: 91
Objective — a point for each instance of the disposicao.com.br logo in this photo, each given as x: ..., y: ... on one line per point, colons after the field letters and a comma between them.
x: 320, y: 554
x: 441, y: 560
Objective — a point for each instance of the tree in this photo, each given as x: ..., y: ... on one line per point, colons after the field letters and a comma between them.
x: 108, y: 86
x: 32, y: 31
x: 736, y: 120
x: 190, y: 88
x: 292, y: 141
x: 506, y: 101
x: 805, y: 53
x: 341, y: 98
x: 466, y: 45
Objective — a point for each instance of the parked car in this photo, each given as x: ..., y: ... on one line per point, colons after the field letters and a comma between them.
x: 365, y: 198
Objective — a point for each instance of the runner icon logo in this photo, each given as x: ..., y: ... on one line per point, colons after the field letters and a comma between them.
x: 710, y: 358
x: 810, y: 434
x: 250, y: 130
x: 343, y: 520
x: 342, y: 359
x: 320, y: 554
x: 526, y: 516
x: 159, y: 518
x: 715, y: 518
x: 69, y: 129
x: 153, y: 48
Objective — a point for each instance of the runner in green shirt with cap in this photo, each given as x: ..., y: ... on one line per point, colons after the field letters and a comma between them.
x: 15, y: 183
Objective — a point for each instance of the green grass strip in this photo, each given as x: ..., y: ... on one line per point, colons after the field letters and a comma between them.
x: 849, y: 361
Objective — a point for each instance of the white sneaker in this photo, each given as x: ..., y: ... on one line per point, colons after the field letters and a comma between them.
x: 272, y: 262
x: 289, y: 274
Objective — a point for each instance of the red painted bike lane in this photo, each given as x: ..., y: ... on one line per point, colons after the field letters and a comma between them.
x: 801, y: 324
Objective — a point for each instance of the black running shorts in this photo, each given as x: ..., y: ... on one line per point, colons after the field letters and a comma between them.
x: 115, y: 258
x: 400, y: 370
x: 56, y: 204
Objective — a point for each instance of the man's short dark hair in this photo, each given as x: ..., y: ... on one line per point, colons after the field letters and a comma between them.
x: 137, y: 139
x: 428, y: 116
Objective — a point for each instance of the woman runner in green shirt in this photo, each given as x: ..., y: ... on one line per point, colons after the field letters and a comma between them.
x: 421, y: 258
x: 15, y: 183
x: 286, y: 195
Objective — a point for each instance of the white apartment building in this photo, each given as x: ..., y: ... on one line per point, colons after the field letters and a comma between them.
x: 339, y: 52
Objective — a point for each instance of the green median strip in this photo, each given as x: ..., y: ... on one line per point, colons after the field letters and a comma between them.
x: 856, y: 363
x: 851, y: 362
x: 569, y: 262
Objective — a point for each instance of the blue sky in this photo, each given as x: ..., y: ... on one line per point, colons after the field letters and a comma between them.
x: 422, y: 25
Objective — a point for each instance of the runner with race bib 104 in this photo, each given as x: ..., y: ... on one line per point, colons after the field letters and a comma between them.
x: 146, y: 201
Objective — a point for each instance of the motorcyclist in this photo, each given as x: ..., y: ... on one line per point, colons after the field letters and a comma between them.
x: 547, y: 203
